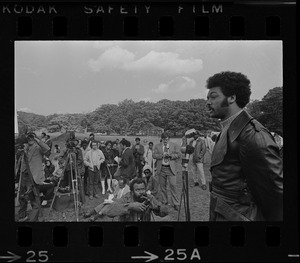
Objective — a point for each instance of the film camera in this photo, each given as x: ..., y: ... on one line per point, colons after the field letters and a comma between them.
x: 146, y: 199
x: 71, y: 142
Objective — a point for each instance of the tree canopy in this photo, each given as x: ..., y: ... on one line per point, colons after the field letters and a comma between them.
x: 129, y: 117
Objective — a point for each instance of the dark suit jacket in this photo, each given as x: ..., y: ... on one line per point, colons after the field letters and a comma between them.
x: 246, y: 164
x: 199, y: 152
x: 127, y: 164
x: 35, y: 160
x: 138, y: 154
x: 174, y: 151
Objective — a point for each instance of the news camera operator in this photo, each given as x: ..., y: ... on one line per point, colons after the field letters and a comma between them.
x: 166, y: 153
x: 137, y: 205
x: 77, y: 157
x: 30, y: 168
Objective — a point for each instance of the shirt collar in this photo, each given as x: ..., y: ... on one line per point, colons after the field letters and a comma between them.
x: 168, y: 145
x: 228, y: 121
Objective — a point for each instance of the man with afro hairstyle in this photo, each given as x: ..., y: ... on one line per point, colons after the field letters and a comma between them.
x: 246, y: 168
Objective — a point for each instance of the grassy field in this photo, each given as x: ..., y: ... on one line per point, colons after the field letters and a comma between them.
x: 199, y: 199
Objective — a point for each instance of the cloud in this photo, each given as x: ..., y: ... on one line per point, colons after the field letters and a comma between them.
x: 169, y: 63
x: 179, y: 84
x: 166, y: 62
x: 113, y: 58
x: 26, y: 110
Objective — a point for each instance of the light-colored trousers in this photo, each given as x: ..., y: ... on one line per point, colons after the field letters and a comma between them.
x: 165, y: 176
x: 197, y: 169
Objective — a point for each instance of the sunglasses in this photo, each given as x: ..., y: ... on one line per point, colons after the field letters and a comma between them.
x: 146, y: 172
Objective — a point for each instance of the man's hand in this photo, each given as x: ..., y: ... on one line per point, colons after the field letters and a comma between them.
x: 136, y: 206
x: 166, y: 155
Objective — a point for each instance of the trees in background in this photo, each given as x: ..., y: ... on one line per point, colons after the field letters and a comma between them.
x: 129, y: 117
x: 268, y: 111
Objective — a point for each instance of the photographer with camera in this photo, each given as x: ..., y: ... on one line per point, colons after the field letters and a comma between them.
x: 31, y: 175
x: 166, y: 153
x: 77, y: 161
x: 151, y: 181
x: 137, y: 205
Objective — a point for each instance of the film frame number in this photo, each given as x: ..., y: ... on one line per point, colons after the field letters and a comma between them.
x: 181, y: 254
x: 42, y: 256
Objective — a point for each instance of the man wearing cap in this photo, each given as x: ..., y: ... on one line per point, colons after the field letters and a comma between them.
x: 32, y: 175
x: 166, y: 153
x: 151, y: 181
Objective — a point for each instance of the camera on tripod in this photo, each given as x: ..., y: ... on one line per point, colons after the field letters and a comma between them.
x: 71, y: 142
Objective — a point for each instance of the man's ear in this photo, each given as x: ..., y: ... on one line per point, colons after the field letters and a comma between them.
x: 231, y: 99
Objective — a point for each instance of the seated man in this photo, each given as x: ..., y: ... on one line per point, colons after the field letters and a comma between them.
x: 136, y: 205
x: 120, y: 190
x: 48, y: 169
x: 151, y: 181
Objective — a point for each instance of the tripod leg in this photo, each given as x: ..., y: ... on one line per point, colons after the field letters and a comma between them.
x: 188, y: 215
x: 184, y: 199
x: 180, y: 204
x: 55, y: 193
x: 19, y: 187
x: 73, y: 191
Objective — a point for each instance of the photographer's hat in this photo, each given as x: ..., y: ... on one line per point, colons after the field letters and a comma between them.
x: 147, y: 167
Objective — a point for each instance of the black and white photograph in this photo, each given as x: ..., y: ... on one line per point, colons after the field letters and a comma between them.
x: 140, y: 131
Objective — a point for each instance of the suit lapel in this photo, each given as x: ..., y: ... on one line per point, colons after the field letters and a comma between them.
x: 234, y: 130
x: 238, y: 125
x: 219, y: 150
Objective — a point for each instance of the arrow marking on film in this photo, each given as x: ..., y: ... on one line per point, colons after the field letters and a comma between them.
x: 11, y: 258
x: 148, y: 258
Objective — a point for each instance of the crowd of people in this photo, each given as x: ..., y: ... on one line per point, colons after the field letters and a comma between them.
x: 110, y: 165
x: 245, y: 163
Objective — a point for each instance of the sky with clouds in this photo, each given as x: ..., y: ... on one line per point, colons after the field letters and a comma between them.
x: 79, y: 76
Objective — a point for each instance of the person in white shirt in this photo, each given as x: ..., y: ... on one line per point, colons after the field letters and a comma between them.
x: 148, y: 155
x: 93, y: 160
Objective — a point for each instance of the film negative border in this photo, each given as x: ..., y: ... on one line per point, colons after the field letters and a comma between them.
x: 142, y: 21
x: 170, y: 241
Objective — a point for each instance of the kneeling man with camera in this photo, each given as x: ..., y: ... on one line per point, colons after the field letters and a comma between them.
x: 136, y: 205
